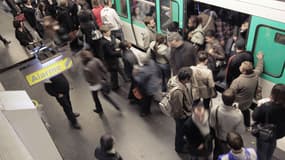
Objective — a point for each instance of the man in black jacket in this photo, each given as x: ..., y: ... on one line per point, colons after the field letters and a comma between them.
x: 111, y: 55
x: 59, y: 88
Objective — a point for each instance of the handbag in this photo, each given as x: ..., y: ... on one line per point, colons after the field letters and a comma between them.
x: 264, y: 131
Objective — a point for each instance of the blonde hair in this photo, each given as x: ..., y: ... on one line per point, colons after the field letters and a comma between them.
x: 63, y: 3
x: 246, y: 67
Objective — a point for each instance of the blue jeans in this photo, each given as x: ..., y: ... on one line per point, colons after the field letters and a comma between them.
x: 265, y: 149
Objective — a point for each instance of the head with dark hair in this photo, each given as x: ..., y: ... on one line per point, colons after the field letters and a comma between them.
x: 235, y: 141
x: 96, y: 3
x: 107, y: 3
x: 174, y: 39
x: 209, y: 35
x: 107, y: 142
x: 278, y: 94
x: 85, y: 16
x: 202, y: 56
x: 193, y: 22
x: 125, y: 45
x: 41, y: 6
x: 17, y: 24
x: 240, y: 44
x: 173, y: 27
x: 86, y: 56
x: 228, y: 97
x: 160, y: 38
x: 184, y: 74
x: 149, y: 22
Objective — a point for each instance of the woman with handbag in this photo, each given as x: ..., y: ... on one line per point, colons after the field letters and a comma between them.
x: 271, y: 112
x: 98, y: 78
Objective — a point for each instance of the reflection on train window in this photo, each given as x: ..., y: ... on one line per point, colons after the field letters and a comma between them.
x: 280, y: 38
x: 123, y: 10
x: 165, y: 14
x: 142, y: 8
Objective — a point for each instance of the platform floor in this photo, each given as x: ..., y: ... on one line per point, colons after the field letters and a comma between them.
x: 150, y: 138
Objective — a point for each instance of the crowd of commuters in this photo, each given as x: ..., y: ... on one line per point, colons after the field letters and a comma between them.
x: 184, y: 62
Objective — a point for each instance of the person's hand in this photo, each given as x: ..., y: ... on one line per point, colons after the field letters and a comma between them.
x: 60, y: 95
x: 201, y: 146
x: 260, y: 55
x: 211, y: 51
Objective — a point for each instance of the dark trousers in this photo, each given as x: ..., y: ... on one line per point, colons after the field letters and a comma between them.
x: 206, y: 102
x: 67, y: 108
x: 246, y: 117
x: 165, y: 70
x: 146, y: 104
x: 114, y: 79
x: 179, y: 134
x: 107, y: 97
x: 264, y: 149
x: 221, y: 147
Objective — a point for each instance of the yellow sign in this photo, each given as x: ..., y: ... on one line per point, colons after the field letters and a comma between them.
x: 49, y: 71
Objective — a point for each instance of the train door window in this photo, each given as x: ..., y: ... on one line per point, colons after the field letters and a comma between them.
x: 142, y: 8
x: 121, y: 8
x: 165, y: 14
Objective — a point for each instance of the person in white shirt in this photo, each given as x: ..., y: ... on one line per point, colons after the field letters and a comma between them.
x: 110, y: 17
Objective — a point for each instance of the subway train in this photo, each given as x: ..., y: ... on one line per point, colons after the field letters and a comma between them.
x: 266, y: 31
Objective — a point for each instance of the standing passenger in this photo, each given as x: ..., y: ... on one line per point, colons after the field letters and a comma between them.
x: 223, y: 119
x: 106, y: 151
x: 271, y: 112
x: 182, y: 102
x: 110, y: 17
x: 182, y: 53
x: 97, y: 7
x: 150, y: 32
x: 59, y: 88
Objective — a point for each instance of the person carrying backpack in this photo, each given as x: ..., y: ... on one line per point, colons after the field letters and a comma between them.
x: 180, y: 102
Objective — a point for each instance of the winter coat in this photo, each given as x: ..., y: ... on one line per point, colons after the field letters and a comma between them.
x: 234, y: 63
x: 195, y: 138
x: 110, y: 54
x: 148, y: 78
x: 197, y: 35
x: 58, y: 85
x: 181, y: 99
x: 161, y: 55
x: 219, y: 53
x: 95, y: 72
x: 129, y: 60
x: 203, y: 85
x: 102, y: 155
x: 182, y: 56
x: 24, y: 37
x: 245, y: 86
x: 64, y: 19
x: 275, y: 115
x: 230, y: 119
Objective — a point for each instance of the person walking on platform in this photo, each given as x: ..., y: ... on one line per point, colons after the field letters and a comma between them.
x: 59, y: 88
x: 98, y: 78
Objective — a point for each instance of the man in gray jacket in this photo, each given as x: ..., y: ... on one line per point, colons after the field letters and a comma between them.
x: 225, y: 118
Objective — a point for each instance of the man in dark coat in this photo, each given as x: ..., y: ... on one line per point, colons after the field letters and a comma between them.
x: 59, y: 88
x: 182, y: 54
x: 232, y: 70
x: 111, y: 55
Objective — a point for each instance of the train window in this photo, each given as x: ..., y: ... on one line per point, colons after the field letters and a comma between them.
x: 123, y: 10
x: 280, y: 38
x: 142, y: 8
x: 165, y: 14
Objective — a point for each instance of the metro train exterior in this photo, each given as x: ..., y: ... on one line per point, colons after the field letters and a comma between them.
x: 266, y: 27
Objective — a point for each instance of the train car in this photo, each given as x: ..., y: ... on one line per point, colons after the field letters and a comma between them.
x: 266, y: 26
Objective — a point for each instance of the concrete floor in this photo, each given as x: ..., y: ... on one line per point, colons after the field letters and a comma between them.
x: 150, y: 138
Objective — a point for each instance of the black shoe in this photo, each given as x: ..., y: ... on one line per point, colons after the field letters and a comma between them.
x: 144, y: 114
x: 76, y: 115
x: 183, y: 151
x: 76, y: 126
x: 6, y: 43
x: 96, y: 111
